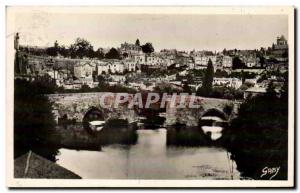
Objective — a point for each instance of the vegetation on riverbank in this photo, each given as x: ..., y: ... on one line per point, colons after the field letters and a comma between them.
x: 258, y: 137
x: 33, y: 120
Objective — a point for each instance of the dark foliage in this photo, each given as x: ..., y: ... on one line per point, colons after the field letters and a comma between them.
x: 237, y: 63
x: 33, y: 119
x: 81, y: 48
x: 206, y: 88
x: 113, y: 54
x: 258, y: 136
x: 137, y: 42
x: 147, y: 48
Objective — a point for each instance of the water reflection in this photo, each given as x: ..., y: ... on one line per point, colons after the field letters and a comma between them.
x: 213, y: 126
x: 155, y: 155
x: 214, y: 132
x: 76, y: 137
x: 187, y: 136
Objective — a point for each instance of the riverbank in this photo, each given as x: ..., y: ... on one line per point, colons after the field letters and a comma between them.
x: 31, y: 165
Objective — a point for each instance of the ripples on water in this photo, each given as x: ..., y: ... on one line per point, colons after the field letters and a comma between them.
x: 150, y: 158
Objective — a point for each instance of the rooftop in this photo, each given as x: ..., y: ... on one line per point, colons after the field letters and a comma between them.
x: 256, y: 89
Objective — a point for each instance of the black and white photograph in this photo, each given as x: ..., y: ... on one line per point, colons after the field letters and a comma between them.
x: 150, y: 96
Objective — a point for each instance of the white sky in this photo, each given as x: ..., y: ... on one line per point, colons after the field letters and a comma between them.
x: 183, y: 32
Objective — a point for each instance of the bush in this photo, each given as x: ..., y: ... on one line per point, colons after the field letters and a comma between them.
x: 33, y: 120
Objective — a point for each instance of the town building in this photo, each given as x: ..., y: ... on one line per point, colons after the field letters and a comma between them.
x: 118, y: 78
x: 84, y: 70
x: 251, y: 61
x: 228, y: 82
x: 251, y: 81
x: 203, y: 60
x: 254, y: 91
x: 139, y: 58
x: 102, y: 68
x: 116, y: 66
x: 130, y: 49
x: 281, y: 43
x: 154, y: 60
x: 130, y: 64
x: 227, y: 62
x: 110, y: 67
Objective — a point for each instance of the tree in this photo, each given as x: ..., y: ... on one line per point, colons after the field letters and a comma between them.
x: 271, y: 92
x: 208, y: 79
x: 85, y: 88
x: 81, y: 48
x: 186, y: 88
x: 237, y: 63
x: 53, y: 51
x: 228, y: 109
x: 64, y: 51
x: 262, y: 61
x: 33, y: 119
x: 221, y: 73
x: 99, y: 54
x: 147, y: 48
x: 273, y: 46
x: 101, y: 80
x: 113, y: 54
x: 56, y: 45
x: 258, y: 136
x: 137, y: 42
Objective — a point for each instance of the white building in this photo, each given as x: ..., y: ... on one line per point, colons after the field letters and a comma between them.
x: 251, y: 81
x: 228, y: 82
x: 118, y: 78
x: 130, y: 65
x: 102, y: 68
x: 116, y: 66
x: 227, y: 62
x: 153, y: 60
x: 254, y: 91
x: 139, y: 58
x: 203, y: 60
x: 84, y: 70
x: 110, y: 67
x: 251, y: 61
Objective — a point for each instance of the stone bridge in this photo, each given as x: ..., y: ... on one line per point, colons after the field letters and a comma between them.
x: 222, y: 108
x: 75, y: 106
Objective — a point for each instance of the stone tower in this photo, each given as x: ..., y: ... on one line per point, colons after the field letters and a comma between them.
x: 16, y: 42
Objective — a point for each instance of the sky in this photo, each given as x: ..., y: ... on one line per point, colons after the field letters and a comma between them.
x: 168, y: 31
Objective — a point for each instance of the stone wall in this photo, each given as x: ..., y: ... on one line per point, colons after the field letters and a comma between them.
x: 76, y: 105
x: 191, y: 116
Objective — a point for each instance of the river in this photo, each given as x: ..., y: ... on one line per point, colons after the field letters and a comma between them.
x: 151, y: 157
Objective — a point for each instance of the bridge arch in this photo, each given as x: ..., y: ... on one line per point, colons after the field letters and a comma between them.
x: 212, y: 122
x: 215, y: 112
x: 92, y: 114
